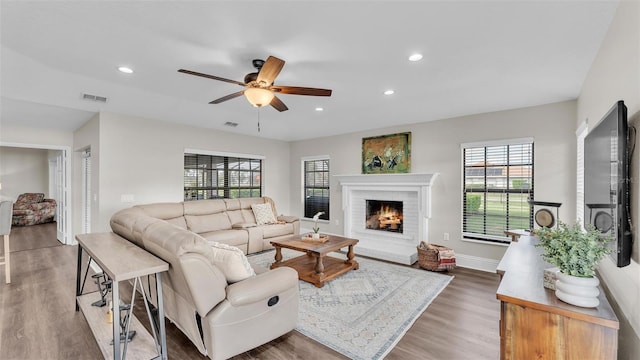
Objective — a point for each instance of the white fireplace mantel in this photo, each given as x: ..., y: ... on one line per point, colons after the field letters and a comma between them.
x: 414, y: 190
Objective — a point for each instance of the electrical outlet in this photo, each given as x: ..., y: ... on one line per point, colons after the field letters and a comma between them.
x: 336, y: 221
x: 446, y: 236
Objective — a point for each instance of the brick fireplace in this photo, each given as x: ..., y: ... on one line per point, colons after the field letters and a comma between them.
x: 410, y: 193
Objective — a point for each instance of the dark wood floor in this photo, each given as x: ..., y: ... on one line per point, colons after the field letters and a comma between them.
x: 38, y: 318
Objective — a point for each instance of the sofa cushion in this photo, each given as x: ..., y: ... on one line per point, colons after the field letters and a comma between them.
x: 273, y: 230
x: 263, y: 214
x: 179, y: 222
x: 204, y: 207
x: 248, y: 216
x: 205, y: 223
x: 235, y: 216
x: 29, y: 198
x: 231, y: 261
x: 237, y: 238
x: 163, y: 211
x: 232, y: 204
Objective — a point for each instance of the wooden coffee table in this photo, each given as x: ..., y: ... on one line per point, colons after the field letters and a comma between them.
x: 315, y: 266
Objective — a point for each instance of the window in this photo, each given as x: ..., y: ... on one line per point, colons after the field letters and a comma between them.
x: 316, y: 187
x: 217, y: 176
x: 497, y: 184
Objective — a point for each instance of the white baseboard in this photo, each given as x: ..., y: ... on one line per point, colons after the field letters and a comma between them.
x: 476, y: 263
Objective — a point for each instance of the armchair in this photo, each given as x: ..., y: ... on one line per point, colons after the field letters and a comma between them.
x: 32, y: 209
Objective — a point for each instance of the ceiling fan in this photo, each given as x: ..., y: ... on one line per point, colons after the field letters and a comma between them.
x: 259, y: 88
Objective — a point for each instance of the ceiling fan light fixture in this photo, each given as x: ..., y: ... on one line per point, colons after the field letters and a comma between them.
x: 126, y: 70
x: 415, y: 57
x: 258, y: 97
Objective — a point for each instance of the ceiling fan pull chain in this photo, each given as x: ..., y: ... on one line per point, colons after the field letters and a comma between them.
x: 258, y: 109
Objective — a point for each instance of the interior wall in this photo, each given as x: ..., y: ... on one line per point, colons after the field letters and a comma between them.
x: 87, y: 136
x: 143, y: 159
x: 435, y: 147
x: 615, y: 75
x: 23, y: 170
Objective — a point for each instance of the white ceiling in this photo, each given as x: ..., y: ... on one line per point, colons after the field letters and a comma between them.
x: 479, y: 56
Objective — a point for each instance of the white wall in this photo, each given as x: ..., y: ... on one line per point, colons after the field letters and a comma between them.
x: 87, y: 136
x: 145, y: 158
x: 37, y: 136
x: 435, y: 147
x: 23, y: 170
x: 615, y: 75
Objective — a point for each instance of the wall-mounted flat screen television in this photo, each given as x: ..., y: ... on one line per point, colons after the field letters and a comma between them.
x: 607, y: 183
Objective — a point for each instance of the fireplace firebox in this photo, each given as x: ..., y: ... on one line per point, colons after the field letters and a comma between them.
x: 384, y: 215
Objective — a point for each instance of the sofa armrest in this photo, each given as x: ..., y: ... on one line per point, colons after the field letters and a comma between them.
x: 243, y: 225
x: 288, y: 219
x: 262, y: 287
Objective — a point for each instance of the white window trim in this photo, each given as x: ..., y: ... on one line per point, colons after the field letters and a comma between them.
x: 581, y: 134
x: 503, y: 142
x: 222, y: 153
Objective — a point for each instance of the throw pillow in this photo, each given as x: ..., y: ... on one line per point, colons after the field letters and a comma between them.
x: 231, y: 261
x: 263, y: 214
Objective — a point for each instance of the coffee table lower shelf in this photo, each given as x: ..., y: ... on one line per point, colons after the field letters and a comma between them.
x: 306, y: 266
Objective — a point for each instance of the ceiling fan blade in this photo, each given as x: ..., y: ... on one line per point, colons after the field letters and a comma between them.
x: 228, y: 97
x: 210, y: 76
x: 278, y: 104
x: 296, y: 90
x: 270, y: 70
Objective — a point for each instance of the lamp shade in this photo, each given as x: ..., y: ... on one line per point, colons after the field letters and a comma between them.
x: 258, y: 97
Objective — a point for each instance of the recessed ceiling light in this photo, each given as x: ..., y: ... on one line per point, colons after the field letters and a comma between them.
x: 389, y: 92
x: 415, y: 57
x: 125, y: 70
x: 319, y: 109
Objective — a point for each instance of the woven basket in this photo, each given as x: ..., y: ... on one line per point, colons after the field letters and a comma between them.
x: 429, y: 257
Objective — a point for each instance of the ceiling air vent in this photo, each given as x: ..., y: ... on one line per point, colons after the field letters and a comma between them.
x: 232, y: 124
x: 97, y: 98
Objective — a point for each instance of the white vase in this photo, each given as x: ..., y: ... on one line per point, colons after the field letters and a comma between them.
x: 579, y: 291
x: 315, y: 236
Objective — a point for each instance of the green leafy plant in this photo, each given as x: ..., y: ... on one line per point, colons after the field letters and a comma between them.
x: 473, y: 203
x: 574, y: 251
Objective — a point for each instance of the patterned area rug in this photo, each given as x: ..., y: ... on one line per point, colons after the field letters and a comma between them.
x: 363, y: 313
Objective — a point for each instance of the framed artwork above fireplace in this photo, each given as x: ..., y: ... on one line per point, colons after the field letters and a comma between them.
x: 386, y: 154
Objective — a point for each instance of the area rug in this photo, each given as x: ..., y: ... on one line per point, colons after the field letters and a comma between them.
x: 363, y: 313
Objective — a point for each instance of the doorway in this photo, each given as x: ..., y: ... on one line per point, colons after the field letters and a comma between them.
x: 59, y: 185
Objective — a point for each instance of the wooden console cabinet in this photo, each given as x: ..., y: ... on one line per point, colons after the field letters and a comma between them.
x: 534, y: 324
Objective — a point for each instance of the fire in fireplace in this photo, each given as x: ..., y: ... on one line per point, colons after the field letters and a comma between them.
x: 384, y: 215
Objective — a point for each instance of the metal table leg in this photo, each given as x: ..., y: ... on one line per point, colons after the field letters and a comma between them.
x: 115, y: 303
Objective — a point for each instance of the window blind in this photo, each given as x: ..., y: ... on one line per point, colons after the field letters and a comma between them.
x: 497, y: 184
x: 316, y: 188
x: 215, y: 176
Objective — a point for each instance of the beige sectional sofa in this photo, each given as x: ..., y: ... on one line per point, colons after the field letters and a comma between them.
x: 211, y: 292
x: 227, y: 221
